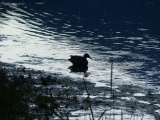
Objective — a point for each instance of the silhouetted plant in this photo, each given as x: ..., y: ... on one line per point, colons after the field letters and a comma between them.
x: 11, y: 99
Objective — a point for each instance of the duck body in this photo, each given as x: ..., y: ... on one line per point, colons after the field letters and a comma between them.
x: 79, y: 60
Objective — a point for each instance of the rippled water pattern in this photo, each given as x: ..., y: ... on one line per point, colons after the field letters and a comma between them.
x: 43, y: 36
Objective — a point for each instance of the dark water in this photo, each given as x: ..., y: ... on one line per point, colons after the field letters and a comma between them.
x: 42, y: 35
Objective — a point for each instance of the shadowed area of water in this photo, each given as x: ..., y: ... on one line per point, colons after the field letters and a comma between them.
x: 43, y: 35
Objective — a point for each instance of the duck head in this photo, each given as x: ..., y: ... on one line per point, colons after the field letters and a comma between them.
x: 87, y: 56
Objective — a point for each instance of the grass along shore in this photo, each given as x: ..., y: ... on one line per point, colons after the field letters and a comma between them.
x: 30, y: 94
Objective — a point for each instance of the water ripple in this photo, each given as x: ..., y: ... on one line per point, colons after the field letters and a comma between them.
x: 44, y: 39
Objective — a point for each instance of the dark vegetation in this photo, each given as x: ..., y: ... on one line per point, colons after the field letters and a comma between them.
x: 20, y: 98
x: 13, y: 95
x: 28, y: 94
x: 25, y: 94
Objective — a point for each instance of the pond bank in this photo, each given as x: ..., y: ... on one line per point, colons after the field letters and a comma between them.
x: 31, y: 94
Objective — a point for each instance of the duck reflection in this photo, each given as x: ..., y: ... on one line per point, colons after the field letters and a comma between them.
x: 75, y: 68
x: 79, y: 70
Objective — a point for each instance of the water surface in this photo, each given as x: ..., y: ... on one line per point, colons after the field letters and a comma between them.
x: 42, y: 35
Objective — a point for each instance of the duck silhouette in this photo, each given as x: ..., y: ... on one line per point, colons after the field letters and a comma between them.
x: 79, y: 60
x: 80, y: 63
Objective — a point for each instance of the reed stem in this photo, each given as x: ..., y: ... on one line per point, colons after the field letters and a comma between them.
x: 111, y: 81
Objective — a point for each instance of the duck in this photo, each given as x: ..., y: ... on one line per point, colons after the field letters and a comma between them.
x: 79, y: 60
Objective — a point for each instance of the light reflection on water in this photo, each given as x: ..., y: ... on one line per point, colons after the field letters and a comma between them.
x: 44, y: 40
x: 112, y: 114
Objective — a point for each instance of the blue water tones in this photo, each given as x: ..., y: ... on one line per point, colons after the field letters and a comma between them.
x: 43, y: 35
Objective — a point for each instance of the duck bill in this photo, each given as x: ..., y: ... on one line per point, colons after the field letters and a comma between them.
x: 90, y: 57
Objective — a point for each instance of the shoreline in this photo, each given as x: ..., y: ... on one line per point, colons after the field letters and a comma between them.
x: 48, y: 93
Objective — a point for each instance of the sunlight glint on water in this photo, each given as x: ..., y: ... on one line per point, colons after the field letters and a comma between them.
x: 45, y: 52
x: 26, y: 42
